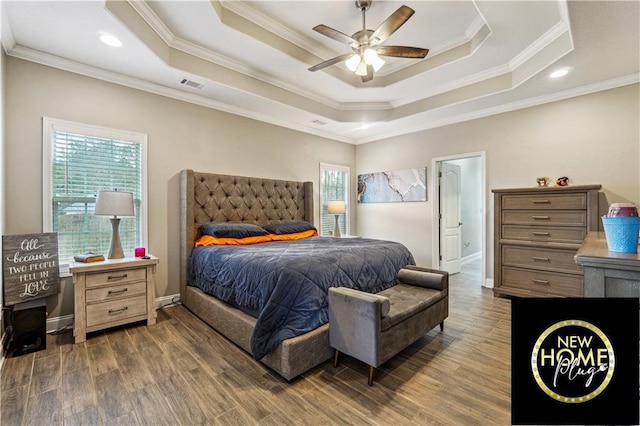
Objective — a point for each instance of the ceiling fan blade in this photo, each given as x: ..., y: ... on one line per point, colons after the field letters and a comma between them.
x: 402, y: 51
x: 369, y: 75
x: 336, y: 35
x: 391, y: 24
x: 331, y: 61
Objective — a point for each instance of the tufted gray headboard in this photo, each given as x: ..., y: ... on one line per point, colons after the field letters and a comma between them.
x: 209, y: 197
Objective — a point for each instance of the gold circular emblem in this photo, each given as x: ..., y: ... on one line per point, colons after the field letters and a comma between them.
x: 554, y: 330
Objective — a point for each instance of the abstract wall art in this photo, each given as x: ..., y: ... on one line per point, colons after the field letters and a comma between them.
x: 393, y: 187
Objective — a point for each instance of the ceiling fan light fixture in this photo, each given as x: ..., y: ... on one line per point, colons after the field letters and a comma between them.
x: 371, y: 58
x: 366, y: 44
x: 362, y: 69
x: 353, y: 62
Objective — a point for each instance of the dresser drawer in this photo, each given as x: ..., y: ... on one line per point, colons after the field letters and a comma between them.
x: 102, y: 313
x: 104, y: 293
x: 555, y: 260
x: 116, y: 277
x: 545, y: 202
x: 542, y: 283
x: 548, y: 234
x: 545, y: 217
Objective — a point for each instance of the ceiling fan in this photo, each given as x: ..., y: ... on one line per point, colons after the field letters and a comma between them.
x: 366, y: 44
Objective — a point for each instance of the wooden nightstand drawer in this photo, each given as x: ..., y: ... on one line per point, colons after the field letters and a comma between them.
x: 101, y: 294
x: 102, y: 313
x: 545, y: 202
x: 111, y: 293
x: 116, y: 277
x: 545, y: 217
x: 546, y: 234
x: 541, y: 258
x: 542, y: 283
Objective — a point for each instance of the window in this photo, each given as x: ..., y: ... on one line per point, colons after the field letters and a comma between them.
x: 78, y: 161
x: 334, y: 185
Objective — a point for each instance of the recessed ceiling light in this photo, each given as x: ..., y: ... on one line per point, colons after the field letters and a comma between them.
x: 110, y: 40
x: 559, y: 73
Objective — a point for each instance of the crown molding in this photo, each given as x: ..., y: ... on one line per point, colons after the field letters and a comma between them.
x: 513, y: 106
x: 455, y: 84
x: 539, y: 44
x: 6, y: 34
x: 46, y: 59
x: 175, y: 42
x: 269, y: 23
x: 152, y: 19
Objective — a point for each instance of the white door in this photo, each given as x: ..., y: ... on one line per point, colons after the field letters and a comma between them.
x: 450, y: 218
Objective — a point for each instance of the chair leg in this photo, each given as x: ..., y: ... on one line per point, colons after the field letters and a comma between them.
x: 372, y: 372
x: 442, y: 326
x: 335, y: 358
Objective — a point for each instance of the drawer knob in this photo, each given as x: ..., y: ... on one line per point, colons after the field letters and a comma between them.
x: 116, y: 277
x: 541, y: 282
x: 117, y: 311
x: 540, y: 234
x: 541, y: 201
x: 540, y: 259
x: 123, y: 290
x: 540, y: 217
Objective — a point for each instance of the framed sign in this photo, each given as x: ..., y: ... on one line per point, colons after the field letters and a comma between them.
x: 30, y: 267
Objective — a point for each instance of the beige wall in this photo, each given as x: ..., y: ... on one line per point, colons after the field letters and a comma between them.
x: 181, y: 135
x: 593, y: 139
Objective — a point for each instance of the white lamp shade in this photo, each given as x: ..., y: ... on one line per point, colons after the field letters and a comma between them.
x: 352, y: 62
x: 371, y: 58
x: 336, y: 207
x: 362, y: 69
x: 114, y: 203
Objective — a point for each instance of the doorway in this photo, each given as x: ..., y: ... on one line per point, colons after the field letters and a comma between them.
x: 459, y: 212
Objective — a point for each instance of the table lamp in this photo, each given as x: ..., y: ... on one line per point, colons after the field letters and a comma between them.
x: 114, y: 203
x: 336, y: 207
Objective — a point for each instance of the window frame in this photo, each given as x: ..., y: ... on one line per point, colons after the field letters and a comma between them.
x: 50, y: 125
x: 347, y: 198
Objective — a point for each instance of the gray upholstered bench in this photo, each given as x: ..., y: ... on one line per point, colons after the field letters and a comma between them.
x: 374, y: 327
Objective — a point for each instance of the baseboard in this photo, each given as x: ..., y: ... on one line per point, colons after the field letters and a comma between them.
x: 59, y: 323
x: 172, y: 299
x: 488, y: 283
x: 471, y: 257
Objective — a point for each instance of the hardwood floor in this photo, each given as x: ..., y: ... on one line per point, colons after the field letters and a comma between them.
x: 180, y: 371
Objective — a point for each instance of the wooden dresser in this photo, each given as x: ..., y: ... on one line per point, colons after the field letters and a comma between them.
x: 111, y: 293
x: 537, y: 234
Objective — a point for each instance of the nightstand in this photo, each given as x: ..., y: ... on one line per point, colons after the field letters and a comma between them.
x: 113, y: 292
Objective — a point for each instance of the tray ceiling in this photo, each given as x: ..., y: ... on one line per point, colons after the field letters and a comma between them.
x: 251, y: 57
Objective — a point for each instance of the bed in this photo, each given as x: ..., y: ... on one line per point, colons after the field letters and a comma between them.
x: 260, y: 330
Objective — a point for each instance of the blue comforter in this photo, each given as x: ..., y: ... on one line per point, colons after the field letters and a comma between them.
x: 286, y: 283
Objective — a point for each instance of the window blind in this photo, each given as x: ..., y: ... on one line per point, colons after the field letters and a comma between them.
x: 334, y: 185
x: 81, y: 166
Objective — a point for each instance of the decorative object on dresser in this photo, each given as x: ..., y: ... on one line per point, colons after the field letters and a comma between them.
x: 542, y: 181
x: 114, y: 203
x: 112, y: 293
x: 336, y: 207
x: 537, y: 232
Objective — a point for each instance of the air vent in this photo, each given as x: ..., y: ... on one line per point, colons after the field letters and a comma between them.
x: 319, y: 122
x: 192, y: 83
